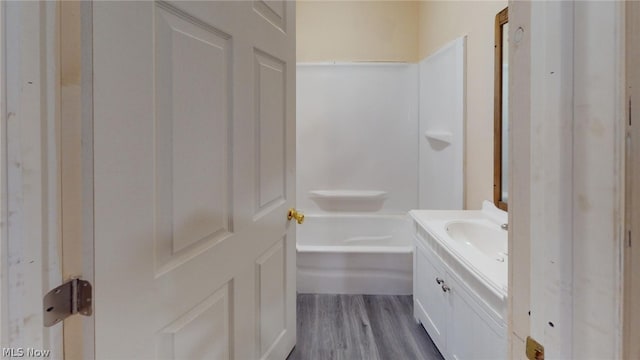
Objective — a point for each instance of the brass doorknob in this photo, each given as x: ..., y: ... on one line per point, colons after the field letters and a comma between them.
x: 294, y: 214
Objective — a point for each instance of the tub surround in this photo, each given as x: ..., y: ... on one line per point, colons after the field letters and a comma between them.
x: 460, y: 280
x: 356, y: 137
x: 442, y: 115
x: 360, y: 160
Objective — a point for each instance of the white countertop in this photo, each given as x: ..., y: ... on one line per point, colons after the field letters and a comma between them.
x: 490, y: 271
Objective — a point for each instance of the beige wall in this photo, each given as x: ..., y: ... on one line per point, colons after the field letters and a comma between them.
x: 357, y: 31
x: 409, y: 31
x: 441, y: 22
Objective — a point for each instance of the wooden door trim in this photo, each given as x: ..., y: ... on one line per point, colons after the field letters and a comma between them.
x: 76, y: 139
x: 501, y: 18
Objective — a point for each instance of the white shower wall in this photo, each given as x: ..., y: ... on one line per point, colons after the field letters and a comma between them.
x: 357, y: 127
x: 442, y: 94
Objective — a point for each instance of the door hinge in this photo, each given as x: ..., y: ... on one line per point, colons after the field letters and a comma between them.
x: 629, y: 238
x: 72, y: 297
x: 535, y: 350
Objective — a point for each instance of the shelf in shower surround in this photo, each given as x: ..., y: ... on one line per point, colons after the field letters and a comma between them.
x: 444, y: 136
x: 349, y: 194
x: 348, y: 200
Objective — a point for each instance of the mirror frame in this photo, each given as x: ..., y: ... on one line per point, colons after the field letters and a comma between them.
x: 501, y: 18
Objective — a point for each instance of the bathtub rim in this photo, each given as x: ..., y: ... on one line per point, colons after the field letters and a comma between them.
x: 365, y: 249
x: 356, y: 214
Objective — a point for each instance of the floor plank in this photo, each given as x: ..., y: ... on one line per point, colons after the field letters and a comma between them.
x: 352, y: 327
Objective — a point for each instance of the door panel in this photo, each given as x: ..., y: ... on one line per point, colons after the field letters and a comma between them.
x: 194, y: 145
x: 201, y: 333
x: 271, y: 296
x: 270, y: 125
x: 273, y: 11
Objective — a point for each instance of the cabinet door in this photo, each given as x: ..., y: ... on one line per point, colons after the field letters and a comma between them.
x: 430, y: 302
x: 471, y: 334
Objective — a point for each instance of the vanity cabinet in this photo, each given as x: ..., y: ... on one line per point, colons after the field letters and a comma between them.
x: 453, y: 314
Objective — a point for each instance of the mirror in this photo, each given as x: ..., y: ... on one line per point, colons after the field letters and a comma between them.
x: 501, y: 112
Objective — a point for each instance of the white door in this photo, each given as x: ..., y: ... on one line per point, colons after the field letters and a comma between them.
x: 194, y: 153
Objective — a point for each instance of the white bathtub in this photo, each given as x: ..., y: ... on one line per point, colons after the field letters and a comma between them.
x: 355, y: 254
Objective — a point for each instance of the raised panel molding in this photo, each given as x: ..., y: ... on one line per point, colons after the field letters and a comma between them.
x: 271, y: 297
x: 270, y: 90
x: 203, y: 332
x: 192, y: 134
x: 273, y: 11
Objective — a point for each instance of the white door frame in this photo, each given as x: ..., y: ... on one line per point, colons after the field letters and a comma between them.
x: 519, y: 176
x: 569, y: 153
x: 76, y: 173
x: 30, y: 230
x: 632, y: 253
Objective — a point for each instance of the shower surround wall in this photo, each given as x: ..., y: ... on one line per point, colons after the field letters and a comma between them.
x: 357, y: 127
x: 442, y: 113
x: 357, y: 176
x: 359, y: 152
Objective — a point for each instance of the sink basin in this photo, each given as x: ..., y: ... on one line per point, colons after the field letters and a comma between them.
x: 486, y: 238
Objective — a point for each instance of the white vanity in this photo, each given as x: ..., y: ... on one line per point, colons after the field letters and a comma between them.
x: 460, y: 280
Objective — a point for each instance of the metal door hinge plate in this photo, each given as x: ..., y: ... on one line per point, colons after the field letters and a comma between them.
x: 72, y: 297
x: 535, y: 351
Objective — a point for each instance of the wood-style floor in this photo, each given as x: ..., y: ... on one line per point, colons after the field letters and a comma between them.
x: 353, y: 327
